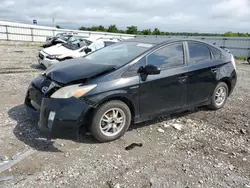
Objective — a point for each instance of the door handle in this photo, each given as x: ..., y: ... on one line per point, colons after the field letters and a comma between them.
x: 183, y: 78
x: 214, y: 70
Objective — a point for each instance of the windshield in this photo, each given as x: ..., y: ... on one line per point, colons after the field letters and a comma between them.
x: 76, y: 38
x: 70, y: 46
x: 77, y: 44
x: 119, y: 54
x: 65, y: 37
x: 88, y: 42
x: 59, y: 35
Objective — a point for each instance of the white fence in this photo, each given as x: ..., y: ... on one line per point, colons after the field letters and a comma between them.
x: 34, y: 33
x: 239, y: 46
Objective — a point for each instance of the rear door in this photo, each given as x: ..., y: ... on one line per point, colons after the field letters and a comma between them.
x: 202, y: 73
x: 166, y: 91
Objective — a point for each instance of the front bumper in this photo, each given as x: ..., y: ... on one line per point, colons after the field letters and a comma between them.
x: 70, y: 114
x: 44, y: 61
x: 47, y: 62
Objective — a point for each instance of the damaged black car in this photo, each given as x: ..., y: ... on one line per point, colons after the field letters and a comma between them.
x: 130, y: 82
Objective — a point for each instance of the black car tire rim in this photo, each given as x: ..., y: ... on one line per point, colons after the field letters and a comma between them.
x: 112, y: 122
x: 220, y: 95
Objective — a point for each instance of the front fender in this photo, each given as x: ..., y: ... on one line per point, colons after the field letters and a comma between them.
x: 102, y: 97
x: 130, y: 97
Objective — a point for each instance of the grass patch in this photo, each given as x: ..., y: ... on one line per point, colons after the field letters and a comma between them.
x: 241, y: 58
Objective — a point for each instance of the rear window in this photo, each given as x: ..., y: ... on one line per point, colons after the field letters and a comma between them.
x: 216, y: 53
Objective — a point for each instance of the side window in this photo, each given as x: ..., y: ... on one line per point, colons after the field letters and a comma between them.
x: 198, y: 53
x: 168, y: 57
x: 216, y: 53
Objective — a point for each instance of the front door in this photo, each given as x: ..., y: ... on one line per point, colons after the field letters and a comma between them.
x: 166, y: 91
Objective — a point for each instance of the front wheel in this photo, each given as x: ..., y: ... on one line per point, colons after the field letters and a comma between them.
x: 110, y: 121
x: 219, y: 96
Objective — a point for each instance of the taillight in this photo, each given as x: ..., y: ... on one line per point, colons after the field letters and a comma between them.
x: 233, y: 61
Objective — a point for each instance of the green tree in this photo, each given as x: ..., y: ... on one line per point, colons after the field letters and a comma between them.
x: 94, y: 28
x: 84, y: 28
x: 132, y: 30
x: 112, y: 29
x: 230, y: 34
x: 156, y: 31
x: 146, y: 32
x: 101, y: 28
x: 58, y: 27
x: 121, y: 31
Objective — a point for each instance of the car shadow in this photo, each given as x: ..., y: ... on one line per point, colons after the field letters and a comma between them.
x: 28, y: 132
x: 163, y: 118
x: 37, y: 66
x: 245, y: 63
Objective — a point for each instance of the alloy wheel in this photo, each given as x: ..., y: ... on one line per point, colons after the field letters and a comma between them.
x: 112, y: 122
x: 220, y: 96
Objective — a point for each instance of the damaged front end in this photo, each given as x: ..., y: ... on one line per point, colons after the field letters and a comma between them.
x: 58, y: 97
x: 58, y: 117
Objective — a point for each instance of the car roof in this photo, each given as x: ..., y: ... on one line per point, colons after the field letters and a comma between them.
x: 163, y: 40
x: 93, y: 39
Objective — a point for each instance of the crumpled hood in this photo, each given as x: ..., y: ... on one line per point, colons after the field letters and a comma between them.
x: 56, y: 50
x: 76, y: 69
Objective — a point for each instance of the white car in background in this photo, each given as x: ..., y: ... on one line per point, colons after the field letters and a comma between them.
x: 62, y: 39
x: 70, y: 50
x: 58, y: 35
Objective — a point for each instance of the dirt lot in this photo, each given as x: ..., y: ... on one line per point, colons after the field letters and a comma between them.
x: 211, y: 149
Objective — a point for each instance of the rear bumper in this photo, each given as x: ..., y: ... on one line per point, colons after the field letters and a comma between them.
x: 233, y: 81
x: 69, y: 115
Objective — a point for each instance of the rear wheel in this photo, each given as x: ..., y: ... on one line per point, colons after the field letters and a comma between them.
x: 248, y: 60
x: 219, y: 96
x: 110, y: 121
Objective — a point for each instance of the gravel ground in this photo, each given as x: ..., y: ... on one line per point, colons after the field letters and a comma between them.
x: 199, y: 148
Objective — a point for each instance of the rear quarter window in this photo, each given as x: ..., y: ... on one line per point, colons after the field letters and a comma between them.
x: 198, y: 53
x: 216, y: 53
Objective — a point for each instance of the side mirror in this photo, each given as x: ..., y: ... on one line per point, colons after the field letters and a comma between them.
x: 149, y: 70
x: 87, y: 50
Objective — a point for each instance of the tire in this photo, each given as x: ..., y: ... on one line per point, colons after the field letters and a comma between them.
x: 214, y: 104
x: 248, y: 60
x: 95, y: 127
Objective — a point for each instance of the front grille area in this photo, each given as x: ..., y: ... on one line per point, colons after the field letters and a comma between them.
x: 41, y: 56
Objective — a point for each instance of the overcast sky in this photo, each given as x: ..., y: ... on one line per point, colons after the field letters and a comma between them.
x: 168, y: 15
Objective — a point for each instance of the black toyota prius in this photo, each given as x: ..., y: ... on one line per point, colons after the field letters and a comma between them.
x: 130, y: 82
